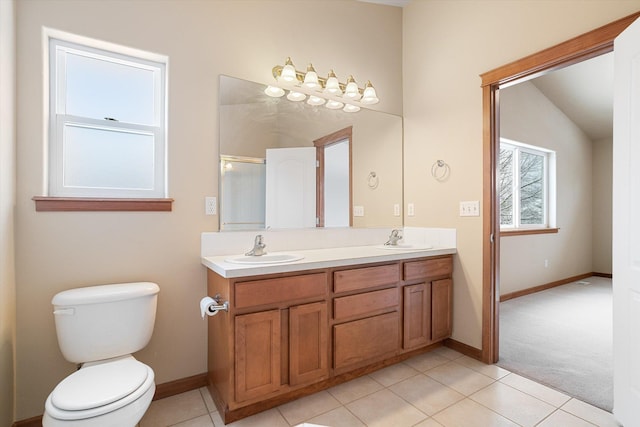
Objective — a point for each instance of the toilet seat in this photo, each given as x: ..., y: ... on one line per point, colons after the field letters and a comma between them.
x: 99, y: 389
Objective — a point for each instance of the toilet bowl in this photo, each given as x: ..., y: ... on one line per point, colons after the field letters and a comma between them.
x: 99, y: 327
x: 111, y: 393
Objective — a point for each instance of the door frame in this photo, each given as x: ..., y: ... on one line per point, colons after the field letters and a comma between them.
x: 321, y: 144
x: 577, y: 49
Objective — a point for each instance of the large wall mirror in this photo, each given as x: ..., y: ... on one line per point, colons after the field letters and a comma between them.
x: 286, y: 164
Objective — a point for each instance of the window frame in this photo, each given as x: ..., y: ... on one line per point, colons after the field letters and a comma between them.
x: 58, y: 198
x: 549, y: 176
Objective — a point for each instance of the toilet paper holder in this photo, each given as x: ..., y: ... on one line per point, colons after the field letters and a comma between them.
x: 211, y: 306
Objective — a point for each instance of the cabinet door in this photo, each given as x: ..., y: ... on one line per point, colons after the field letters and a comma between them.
x: 257, y: 359
x: 417, y: 315
x: 363, y: 341
x: 308, y: 346
x: 441, y: 309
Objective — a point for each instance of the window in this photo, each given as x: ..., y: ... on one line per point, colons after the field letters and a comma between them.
x: 107, y: 136
x: 525, y: 177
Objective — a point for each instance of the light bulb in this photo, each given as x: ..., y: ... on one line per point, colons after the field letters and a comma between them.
x: 352, y: 91
x: 332, y: 85
x: 315, y: 100
x: 349, y: 108
x: 334, y: 105
x: 288, y: 73
x: 369, y: 95
x: 296, y: 96
x: 274, y: 91
x: 311, y: 78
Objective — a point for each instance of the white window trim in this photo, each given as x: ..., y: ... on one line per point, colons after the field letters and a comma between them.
x: 549, y: 188
x: 53, y: 124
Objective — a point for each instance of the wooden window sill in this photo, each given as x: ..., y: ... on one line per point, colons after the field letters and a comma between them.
x: 77, y: 204
x: 528, y: 231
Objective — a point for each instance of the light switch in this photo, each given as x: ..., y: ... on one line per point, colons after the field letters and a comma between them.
x: 410, y: 209
x: 396, y: 210
x: 470, y: 208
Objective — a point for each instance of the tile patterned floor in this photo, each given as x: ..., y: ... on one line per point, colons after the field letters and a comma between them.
x: 440, y: 388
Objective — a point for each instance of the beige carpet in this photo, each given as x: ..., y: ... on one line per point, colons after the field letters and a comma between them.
x: 562, y: 337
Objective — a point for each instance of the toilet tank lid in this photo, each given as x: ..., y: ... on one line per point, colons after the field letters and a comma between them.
x: 104, y: 293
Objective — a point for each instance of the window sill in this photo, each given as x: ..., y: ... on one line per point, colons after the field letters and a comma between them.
x: 528, y: 231
x: 80, y: 204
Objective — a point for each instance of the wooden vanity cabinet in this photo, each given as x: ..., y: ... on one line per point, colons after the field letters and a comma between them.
x: 289, y: 334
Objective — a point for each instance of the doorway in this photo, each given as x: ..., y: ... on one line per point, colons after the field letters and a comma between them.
x: 333, y: 179
x: 555, y: 324
x: 583, y: 47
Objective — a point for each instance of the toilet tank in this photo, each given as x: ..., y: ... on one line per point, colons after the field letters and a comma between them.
x: 101, y: 322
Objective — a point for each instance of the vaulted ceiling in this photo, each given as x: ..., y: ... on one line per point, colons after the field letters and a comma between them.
x: 584, y: 93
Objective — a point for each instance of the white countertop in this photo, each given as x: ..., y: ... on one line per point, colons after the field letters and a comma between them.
x: 319, y: 258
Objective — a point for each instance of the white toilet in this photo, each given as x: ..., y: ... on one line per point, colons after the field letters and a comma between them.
x: 99, y: 327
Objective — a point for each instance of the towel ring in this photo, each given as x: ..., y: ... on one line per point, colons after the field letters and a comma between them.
x: 372, y: 180
x: 440, y: 170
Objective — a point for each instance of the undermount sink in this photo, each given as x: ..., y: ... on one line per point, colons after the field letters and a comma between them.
x: 404, y: 247
x: 276, y: 258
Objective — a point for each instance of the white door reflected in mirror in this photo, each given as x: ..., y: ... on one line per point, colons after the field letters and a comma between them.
x: 336, y: 184
x: 291, y: 187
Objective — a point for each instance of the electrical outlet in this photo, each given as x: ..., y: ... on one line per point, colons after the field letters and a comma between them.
x: 396, y: 210
x: 471, y: 208
x: 410, y: 209
x: 210, y: 205
x: 546, y: 263
x: 358, y: 211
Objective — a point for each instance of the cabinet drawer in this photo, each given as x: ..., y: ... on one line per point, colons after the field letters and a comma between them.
x: 367, y: 303
x: 362, y: 278
x: 428, y: 268
x: 281, y: 290
x: 356, y: 343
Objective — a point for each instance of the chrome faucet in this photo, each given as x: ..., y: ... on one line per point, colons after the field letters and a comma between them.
x: 258, y: 247
x: 394, y: 237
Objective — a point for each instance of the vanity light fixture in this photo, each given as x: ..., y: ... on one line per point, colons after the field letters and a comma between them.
x: 328, y: 91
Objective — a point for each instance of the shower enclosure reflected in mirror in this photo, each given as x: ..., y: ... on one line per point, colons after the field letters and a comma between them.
x: 268, y: 142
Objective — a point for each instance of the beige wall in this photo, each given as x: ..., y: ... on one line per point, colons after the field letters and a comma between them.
x: 602, y: 200
x: 447, y: 45
x: 444, y: 47
x: 7, y: 203
x: 527, y: 116
x: 202, y: 39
